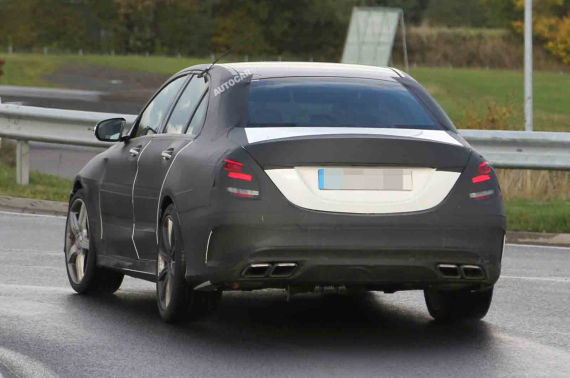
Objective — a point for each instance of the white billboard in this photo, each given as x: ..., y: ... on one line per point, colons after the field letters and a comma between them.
x: 371, y: 35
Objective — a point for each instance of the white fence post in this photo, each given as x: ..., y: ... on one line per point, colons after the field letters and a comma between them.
x: 528, y: 91
x: 22, y: 162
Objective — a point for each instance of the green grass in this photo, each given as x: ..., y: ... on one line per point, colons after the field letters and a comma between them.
x: 42, y: 186
x: 470, y: 90
x: 550, y: 216
x: 30, y: 69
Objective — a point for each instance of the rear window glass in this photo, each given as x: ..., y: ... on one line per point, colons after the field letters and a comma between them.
x: 335, y: 102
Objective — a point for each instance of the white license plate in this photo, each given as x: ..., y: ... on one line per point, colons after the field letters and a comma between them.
x: 398, y: 179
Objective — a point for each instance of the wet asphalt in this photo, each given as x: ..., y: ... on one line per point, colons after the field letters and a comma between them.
x: 48, y: 330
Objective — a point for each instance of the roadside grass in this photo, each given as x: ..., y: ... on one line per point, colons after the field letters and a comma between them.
x: 484, y: 93
x: 42, y: 186
x: 548, y: 216
x: 30, y: 69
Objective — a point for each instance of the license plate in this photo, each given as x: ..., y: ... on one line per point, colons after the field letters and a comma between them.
x: 398, y: 179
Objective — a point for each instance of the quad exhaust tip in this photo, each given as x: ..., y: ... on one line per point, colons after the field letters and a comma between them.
x: 468, y: 272
x: 277, y: 270
x: 472, y: 272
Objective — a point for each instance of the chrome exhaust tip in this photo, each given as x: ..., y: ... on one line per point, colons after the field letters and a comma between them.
x: 283, y: 270
x: 256, y: 270
x: 449, y: 270
x: 472, y: 272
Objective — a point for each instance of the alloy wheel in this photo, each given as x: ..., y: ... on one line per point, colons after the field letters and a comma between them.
x: 77, y: 241
x: 166, y: 263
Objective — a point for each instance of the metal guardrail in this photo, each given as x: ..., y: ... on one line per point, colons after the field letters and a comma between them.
x: 522, y: 149
x: 60, y: 126
x: 503, y: 149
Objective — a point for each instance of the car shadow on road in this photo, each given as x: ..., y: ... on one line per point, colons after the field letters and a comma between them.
x: 363, y: 324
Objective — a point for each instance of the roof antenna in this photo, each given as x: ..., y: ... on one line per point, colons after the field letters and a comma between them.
x: 221, y: 56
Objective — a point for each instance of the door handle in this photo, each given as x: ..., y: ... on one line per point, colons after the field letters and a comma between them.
x: 167, y: 154
x: 135, y: 151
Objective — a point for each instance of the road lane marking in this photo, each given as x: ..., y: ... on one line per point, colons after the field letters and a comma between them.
x: 548, y: 279
x: 539, y: 246
x: 35, y: 287
x: 20, y: 365
x: 12, y: 213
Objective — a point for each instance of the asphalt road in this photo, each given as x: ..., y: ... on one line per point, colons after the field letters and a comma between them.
x: 46, y: 329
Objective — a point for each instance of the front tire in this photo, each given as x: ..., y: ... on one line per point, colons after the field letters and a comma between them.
x: 80, y: 255
x: 450, y: 306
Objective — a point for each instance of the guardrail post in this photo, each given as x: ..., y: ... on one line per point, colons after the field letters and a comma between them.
x: 22, y: 162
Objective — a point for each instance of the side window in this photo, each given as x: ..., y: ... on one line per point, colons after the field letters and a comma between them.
x: 199, y: 116
x: 156, y: 111
x: 186, y: 105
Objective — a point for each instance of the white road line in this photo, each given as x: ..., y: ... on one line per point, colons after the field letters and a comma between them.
x: 20, y: 365
x: 38, y: 288
x: 538, y: 245
x: 12, y: 213
x: 548, y: 279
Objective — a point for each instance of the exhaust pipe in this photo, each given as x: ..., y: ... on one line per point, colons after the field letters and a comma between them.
x: 449, y: 270
x: 256, y: 270
x: 472, y: 272
x: 283, y: 269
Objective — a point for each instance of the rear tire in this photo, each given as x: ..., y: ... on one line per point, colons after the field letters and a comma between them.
x: 80, y: 254
x: 175, y: 298
x: 172, y: 291
x: 450, y: 306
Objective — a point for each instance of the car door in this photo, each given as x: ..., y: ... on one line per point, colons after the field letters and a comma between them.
x: 121, y: 166
x: 154, y: 166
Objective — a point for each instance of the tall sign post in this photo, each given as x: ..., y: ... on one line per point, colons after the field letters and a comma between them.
x: 528, y: 114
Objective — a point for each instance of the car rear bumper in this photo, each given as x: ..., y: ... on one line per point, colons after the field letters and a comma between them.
x: 382, y: 257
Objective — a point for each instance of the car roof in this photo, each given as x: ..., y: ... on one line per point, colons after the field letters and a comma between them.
x: 283, y: 69
x: 260, y: 70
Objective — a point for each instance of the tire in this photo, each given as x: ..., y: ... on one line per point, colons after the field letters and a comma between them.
x: 172, y: 292
x: 175, y: 299
x: 450, y: 306
x: 81, y: 256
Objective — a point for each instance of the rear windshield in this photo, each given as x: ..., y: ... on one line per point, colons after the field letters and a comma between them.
x: 335, y: 102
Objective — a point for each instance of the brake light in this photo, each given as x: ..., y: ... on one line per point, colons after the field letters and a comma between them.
x: 480, y: 178
x: 232, y: 165
x: 239, y: 176
x: 237, y: 181
x: 484, y: 168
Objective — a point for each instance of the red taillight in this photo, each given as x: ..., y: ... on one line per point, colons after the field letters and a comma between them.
x: 480, y: 178
x: 239, y: 176
x: 484, y: 168
x: 239, y: 180
x: 232, y: 165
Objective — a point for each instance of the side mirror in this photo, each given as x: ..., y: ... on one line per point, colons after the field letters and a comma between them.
x: 111, y: 130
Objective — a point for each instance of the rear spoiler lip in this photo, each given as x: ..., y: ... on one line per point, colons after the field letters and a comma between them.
x: 254, y: 135
x: 359, y: 150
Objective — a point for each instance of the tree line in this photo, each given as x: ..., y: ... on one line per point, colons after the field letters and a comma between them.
x: 298, y: 28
